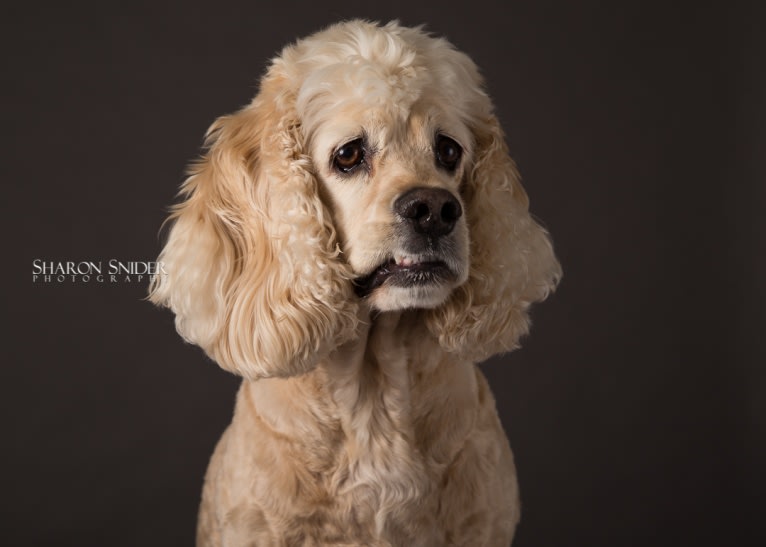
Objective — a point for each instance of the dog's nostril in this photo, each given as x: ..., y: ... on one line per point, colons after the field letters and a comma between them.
x: 451, y: 211
x: 422, y: 210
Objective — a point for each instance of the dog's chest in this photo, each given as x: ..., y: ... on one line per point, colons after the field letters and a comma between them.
x: 375, y: 491
x: 360, y: 452
x: 369, y: 503
x: 377, y: 484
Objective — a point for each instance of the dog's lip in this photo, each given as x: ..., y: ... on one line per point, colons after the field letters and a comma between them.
x: 411, y: 271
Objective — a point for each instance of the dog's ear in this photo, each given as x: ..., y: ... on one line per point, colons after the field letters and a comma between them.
x: 251, y: 258
x: 512, y: 259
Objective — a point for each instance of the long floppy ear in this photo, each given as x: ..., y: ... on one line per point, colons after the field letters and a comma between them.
x: 252, y: 265
x: 512, y: 259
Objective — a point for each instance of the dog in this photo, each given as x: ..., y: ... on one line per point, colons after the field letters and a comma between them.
x: 352, y: 243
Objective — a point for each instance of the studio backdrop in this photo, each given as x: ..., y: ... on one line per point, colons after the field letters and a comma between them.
x: 636, y: 406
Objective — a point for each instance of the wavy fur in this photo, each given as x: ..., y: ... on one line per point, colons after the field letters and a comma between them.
x: 512, y: 260
x: 253, y: 271
x: 362, y: 420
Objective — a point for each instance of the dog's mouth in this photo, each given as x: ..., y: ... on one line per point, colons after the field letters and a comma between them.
x: 404, y: 272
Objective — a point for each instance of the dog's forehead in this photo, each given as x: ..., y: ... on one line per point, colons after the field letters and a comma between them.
x: 381, y: 78
x: 361, y: 91
x: 344, y: 101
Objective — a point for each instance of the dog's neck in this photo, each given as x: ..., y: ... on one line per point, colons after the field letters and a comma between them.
x: 374, y: 395
x: 372, y: 380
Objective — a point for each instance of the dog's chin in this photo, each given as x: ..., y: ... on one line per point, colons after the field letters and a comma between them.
x: 398, y: 286
x: 393, y: 298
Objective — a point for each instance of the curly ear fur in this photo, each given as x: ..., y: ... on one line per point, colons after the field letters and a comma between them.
x: 252, y: 260
x: 512, y: 259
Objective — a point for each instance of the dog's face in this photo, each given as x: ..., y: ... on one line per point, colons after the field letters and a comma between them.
x: 385, y: 118
x: 369, y: 169
x: 391, y: 178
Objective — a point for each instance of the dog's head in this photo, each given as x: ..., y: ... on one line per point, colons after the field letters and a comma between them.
x: 371, y: 170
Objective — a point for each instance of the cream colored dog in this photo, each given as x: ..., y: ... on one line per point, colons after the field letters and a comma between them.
x: 352, y: 242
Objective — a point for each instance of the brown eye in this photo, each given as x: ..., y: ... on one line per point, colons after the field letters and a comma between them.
x: 349, y: 156
x: 448, y: 152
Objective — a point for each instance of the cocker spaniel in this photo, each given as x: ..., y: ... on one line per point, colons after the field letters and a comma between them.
x: 352, y: 242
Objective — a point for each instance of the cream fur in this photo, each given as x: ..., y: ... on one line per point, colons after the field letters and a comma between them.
x: 360, y: 420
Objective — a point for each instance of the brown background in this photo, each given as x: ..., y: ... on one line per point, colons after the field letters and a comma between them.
x: 637, y: 407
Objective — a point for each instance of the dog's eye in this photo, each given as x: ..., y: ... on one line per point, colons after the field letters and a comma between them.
x: 448, y: 152
x: 349, y: 156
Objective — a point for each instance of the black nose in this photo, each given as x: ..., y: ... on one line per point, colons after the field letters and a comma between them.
x: 431, y: 211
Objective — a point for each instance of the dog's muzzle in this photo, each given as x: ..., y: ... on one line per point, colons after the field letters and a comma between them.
x: 427, y: 217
